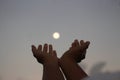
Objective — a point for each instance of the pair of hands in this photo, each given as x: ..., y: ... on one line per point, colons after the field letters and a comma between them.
x: 45, y: 54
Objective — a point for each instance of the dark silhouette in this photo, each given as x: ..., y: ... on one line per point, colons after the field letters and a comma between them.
x: 68, y: 62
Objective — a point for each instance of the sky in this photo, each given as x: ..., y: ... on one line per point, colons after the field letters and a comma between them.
x: 27, y: 22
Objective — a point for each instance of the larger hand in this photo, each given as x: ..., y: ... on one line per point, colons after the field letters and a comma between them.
x: 77, y: 51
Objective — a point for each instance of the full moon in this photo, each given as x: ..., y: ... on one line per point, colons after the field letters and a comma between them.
x: 56, y: 35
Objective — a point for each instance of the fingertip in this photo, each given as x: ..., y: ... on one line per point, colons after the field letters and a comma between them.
x: 32, y: 46
x: 45, y: 44
x: 40, y: 46
x: 50, y: 45
x: 54, y: 52
x: 76, y: 40
x: 88, y: 42
x: 81, y: 41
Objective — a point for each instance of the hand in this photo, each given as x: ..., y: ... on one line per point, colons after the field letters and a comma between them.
x: 44, y: 55
x: 77, y: 51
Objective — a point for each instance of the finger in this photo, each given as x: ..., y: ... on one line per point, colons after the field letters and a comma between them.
x: 50, y: 48
x: 82, y: 42
x: 45, y: 48
x: 39, y: 48
x: 87, y: 44
x: 76, y: 43
x: 73, y: 45
x: 34, y: 50
x: 54, y: 53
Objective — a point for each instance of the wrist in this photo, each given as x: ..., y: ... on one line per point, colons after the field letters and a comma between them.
x: 50, y: 64
x: 66, y: 60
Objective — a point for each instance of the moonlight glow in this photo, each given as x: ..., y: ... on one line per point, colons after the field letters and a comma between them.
x: 56, y: 35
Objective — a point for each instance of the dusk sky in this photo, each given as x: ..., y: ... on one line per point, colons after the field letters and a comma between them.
x: 27, y: 22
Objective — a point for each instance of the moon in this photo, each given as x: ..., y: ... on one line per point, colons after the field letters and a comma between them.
x: 56, y: 35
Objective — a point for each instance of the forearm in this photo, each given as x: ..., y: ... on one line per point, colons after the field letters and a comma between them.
x: 52, y: 72
x: 72, y: 70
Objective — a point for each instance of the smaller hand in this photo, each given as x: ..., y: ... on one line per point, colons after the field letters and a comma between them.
x: 44, y: 55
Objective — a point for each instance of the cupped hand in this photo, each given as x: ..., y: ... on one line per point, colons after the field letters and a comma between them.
x: 45, y: 54
x: 77, y: 51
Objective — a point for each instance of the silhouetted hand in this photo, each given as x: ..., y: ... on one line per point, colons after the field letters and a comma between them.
x: 77, y: 51
x: 68, y: 62
x: 45, y: 54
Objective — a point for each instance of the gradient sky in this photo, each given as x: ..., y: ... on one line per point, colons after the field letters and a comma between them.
x: 27, y: 22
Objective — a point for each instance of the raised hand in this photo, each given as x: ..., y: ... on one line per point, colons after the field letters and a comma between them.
x: 71, y: 57
x: 45, y: 54
x: 77, y: 51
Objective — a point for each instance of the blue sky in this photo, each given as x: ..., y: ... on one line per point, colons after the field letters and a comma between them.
x: 27, y: 22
